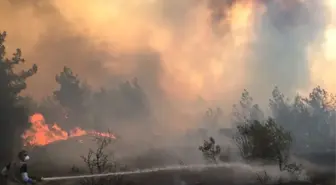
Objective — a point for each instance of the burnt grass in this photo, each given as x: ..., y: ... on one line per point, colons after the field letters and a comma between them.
x: 207, y: 176
x: 218, y: 176
x: 48, y: 165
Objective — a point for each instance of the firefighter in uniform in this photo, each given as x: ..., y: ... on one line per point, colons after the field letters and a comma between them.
x: 16, y: 172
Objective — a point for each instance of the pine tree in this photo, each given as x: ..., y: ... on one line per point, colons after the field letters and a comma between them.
x: 13, y: 114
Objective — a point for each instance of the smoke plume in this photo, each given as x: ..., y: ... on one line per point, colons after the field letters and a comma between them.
x: 179, y: 50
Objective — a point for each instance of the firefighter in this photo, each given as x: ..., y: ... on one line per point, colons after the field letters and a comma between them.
x: 16, y: 172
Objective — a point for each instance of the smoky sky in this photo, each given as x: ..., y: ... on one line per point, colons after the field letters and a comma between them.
x: 187, y: 55
x: 276, y: 58
x: 56, y: 45
x: 281, y: 51
x: 284, y: 32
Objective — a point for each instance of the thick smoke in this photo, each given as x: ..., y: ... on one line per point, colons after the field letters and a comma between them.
x: 286, y: 30
x: 180, y: 51
x: 186, y: 55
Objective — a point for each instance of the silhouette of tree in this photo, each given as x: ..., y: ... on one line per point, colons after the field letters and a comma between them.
x: 264, y: 141
x: 210, y: 150
x: 310, y: 119
x: 246, y: 110
x: 71, y: 97
x: 101, y: 160
x: 134, y: 99
x: 281, y: 109
x: 13, y: 115
x: 126, y: 102
x: 70, y: 94
x: 317, y: 126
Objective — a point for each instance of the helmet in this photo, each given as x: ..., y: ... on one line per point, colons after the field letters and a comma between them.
x: 23, y: 155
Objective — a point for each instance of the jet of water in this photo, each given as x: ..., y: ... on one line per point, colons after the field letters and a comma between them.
x: 153, y: 170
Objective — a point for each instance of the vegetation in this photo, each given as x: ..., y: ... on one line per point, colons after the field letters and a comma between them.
x: 304, y: 124
x: 13, y: 114
x: 264, y: 141
x: 101, y: 160
x: 269, y: 143
x: 210, y: 150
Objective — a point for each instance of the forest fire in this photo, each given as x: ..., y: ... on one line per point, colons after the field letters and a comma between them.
x: 40, y: 134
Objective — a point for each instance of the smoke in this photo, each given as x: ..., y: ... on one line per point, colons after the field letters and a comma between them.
x: 322, y: 57
x: 179, y: 50
x: 187, y: 55
x: 287, y: 28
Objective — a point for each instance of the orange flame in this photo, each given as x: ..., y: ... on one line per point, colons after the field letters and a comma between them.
x: 41, y: 134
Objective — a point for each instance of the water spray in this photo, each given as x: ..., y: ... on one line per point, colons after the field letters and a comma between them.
x: 143, y: 171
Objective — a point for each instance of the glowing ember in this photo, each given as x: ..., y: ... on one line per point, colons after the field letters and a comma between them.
x: 41, y: 134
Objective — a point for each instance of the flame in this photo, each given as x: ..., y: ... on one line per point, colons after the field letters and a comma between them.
x: 40, y: 134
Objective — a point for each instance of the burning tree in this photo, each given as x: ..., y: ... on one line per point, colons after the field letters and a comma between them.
x: 13, y: 116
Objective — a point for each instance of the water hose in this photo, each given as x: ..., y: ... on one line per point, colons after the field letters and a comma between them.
x: 150, y: 170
